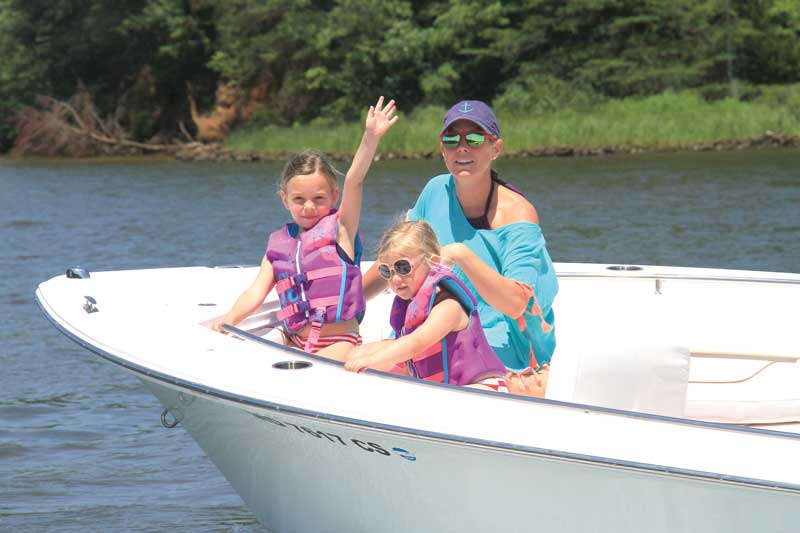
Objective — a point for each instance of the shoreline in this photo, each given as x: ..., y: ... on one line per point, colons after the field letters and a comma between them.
x: 217, y: 152
x: 768, y: 140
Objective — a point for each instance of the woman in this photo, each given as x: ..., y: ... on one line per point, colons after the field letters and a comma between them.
x: 492, y: 238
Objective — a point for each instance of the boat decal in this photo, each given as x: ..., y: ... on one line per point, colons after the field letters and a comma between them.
x: 334, y: 438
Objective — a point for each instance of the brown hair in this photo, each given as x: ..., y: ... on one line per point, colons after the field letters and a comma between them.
x: 308, y: 162
x: 410, y: 237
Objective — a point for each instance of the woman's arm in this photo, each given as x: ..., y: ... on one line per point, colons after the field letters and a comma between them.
x: 379, y: 120
x: 504, y: 294
x: 446, y: 316
x: 507, y: 295
x: 250, y: 299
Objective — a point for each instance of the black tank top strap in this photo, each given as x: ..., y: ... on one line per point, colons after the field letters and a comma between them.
x: 509, y: 186
x: 482, y: 222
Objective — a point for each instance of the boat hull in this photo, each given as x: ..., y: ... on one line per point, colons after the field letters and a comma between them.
x: 303, y: 472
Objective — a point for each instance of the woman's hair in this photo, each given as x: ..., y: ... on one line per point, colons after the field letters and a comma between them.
x: 410, y: 238
x: 308, y: 162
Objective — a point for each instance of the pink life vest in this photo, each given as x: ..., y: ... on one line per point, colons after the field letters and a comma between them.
x: 314, y: 284
x: 461, y: 357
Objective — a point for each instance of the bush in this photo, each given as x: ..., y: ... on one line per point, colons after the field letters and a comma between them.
x: 537, y: 94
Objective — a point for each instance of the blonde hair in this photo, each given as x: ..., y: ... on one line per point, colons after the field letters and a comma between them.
x: 410, y: 238
x: 308, y: 162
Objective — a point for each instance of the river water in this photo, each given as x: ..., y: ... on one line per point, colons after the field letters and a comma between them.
x: 81, y: 442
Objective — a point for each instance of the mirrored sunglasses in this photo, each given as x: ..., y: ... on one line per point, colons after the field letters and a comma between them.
x: 473, y: 138
x: 402, y: 267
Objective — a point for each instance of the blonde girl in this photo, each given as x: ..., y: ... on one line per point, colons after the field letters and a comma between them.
x: 438, y: 334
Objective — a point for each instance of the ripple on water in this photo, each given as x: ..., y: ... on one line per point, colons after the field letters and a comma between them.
x: 9, y: 412
x: 23, y: 224
x: 587, y: 231
x: 786, y: 229
x: 10, y: 450
x: 18, y: 299
x: 58, y: 400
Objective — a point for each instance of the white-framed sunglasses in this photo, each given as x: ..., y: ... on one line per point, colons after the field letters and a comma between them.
x: 402, y: 267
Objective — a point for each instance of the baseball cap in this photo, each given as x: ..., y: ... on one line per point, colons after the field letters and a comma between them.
x: 474, y: 111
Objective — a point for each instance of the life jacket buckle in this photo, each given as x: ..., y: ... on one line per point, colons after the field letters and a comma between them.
x: 319, y: 315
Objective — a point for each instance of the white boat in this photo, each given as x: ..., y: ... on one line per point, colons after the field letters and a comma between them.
x: 673, y: 406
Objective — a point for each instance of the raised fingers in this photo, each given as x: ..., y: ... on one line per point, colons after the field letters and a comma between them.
x: 390, y: 108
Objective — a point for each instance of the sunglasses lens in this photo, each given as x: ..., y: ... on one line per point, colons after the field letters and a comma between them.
x: 475, y: 139
x: 385, y: 271
x: 402, y: 267
x: 451, y: 141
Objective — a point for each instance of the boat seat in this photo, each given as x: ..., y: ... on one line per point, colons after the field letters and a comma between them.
x: 738, y: 390
x: 646, y: 377
x: 634, y: 368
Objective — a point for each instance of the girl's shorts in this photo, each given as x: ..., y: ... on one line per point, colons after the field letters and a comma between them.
x: 497, y: 384
x: 325, y: 341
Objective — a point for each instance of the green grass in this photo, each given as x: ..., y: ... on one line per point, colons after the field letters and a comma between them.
x: 669, y: 120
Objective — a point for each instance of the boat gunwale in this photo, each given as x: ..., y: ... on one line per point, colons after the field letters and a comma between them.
x: 674, y: 273
x: 224, y: 395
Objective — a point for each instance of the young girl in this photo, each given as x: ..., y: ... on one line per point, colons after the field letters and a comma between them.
x: 435, y: 319
x: 313, y: 262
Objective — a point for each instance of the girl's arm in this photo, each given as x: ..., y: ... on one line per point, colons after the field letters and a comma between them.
x: 379, y: 120
x: 250, y: 299
x: 446, y: 316
x: 504, y: 294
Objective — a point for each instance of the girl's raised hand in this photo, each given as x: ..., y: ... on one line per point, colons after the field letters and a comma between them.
x: 380, y: 118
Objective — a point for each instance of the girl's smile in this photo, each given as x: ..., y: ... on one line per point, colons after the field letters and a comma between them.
x: 309, y: 198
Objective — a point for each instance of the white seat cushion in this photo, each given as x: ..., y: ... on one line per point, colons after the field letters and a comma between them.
x: 602, y: 361
x: 744, y: 391
x: 647, y: 378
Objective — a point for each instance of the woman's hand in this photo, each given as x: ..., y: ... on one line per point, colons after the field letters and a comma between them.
x: 379, y: 118
x: 452, y: 253
x: 502, y: 293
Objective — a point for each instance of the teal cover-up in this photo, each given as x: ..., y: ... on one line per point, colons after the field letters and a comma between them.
x: 517, y: 251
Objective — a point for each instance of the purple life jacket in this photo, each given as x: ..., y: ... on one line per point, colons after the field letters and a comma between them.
x: 461, y: 357
x: 314, y: 284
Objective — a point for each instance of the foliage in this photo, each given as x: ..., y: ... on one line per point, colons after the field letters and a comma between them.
x: 771, y: 51
x: 668, y: 120
x: 132, y: 56
x: 327, y: 60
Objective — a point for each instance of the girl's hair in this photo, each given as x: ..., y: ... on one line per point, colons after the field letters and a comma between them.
x: 411, y: 238
x: 308, y: 162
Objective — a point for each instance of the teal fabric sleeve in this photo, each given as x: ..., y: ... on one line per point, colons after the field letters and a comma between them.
x: 517, y: 251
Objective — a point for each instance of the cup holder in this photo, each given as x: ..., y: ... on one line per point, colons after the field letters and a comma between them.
x: 291, y: 365
x: 624, y: 268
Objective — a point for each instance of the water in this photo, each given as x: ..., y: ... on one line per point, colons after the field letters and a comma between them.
x: 81, y: 443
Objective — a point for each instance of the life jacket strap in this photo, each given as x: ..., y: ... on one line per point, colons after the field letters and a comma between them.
x: 291, y: 282
x: 316, y: 328
x: 303, y: 307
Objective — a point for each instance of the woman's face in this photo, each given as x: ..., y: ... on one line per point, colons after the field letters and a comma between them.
x: 406, y: 287
x: 465, y: 160
x: 309, y: 198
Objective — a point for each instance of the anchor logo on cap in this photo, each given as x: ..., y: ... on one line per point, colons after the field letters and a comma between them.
x: 467, y: 108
